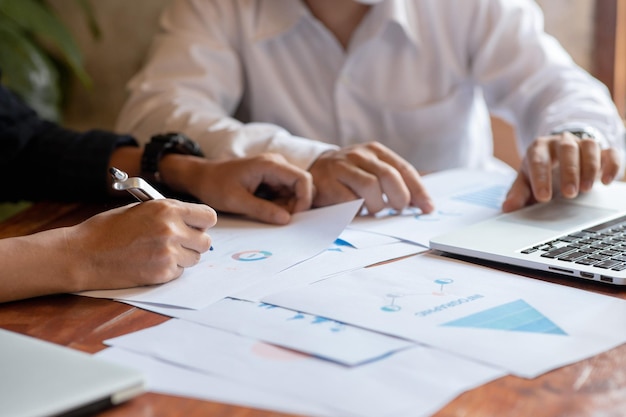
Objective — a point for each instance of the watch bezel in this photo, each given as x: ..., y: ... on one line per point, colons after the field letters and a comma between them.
x: 161, y: 145
x: 581, y: 133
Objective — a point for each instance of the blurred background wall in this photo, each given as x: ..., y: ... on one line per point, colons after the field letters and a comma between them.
x: 128, y: 26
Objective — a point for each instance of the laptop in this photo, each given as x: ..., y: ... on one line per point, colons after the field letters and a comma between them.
x: 583, y: 237
x: 39, y: 378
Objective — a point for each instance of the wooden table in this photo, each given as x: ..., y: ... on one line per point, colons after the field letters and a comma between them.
x: 593, y: 387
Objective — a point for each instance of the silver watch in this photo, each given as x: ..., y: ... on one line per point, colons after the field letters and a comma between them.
x: 580, y: 132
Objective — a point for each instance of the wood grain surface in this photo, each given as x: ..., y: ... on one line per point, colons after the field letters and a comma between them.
x: 593, y: 387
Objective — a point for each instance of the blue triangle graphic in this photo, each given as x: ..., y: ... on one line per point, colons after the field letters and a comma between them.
x: 516, y: 316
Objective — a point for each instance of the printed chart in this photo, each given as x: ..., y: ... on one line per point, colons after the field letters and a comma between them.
x: 492, y: 316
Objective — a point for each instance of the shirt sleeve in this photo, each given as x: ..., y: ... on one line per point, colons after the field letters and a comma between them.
x: 42, y: 160
x: 529, y: 80
x: 193, y: 83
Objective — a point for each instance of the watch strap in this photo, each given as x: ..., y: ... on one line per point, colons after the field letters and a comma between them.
x: 580, y: 132
x: 161, y: 145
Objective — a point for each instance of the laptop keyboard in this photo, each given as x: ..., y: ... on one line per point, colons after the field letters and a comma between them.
x: 602, y: 246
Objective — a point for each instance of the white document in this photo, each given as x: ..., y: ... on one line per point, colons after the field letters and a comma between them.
x: 317, y: 336
x: 462, y: 197
x: 413, y: 382
x: 335, y: 260
x: 360, y: 239
x: 168, y: 379
x: 524, y: 325
x: 244, y: 252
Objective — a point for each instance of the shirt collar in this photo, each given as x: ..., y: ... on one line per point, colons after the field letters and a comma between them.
x: 278, y: 16
x: 396, y: 12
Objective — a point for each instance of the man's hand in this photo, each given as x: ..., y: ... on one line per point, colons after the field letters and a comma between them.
x: 370, y: 171
x: 577, y: 162
x: 238, y: 185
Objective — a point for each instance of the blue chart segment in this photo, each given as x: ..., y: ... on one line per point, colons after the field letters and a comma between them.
x: 490, y: 197
x: 517, y: 316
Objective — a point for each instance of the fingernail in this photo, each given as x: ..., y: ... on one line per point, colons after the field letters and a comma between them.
x: 570, y: 190
x: 543, y: 194
x: 282, y: 217
x: 429, y: 206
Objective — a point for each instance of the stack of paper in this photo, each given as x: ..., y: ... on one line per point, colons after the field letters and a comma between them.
x: 296, y: 319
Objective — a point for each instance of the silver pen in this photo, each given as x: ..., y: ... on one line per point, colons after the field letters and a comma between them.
x: 138, y: 187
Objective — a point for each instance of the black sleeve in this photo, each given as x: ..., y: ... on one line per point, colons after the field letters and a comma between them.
x: 42, y: 160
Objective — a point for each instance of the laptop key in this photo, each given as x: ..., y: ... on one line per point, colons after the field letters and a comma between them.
x: 609, y: 253
x: 587, y: 250
x: 598, y: 257
x: 557, y: 252
x: 615, y: 223
x: 587, y: 261
x: 578, y: 235
x: 569, y: 238
x: 571, y: 256
x: 609, y: 263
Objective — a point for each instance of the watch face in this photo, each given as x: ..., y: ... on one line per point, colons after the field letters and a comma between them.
x: 161, y: 145
x: 178, y: 143
x: 191, y: 147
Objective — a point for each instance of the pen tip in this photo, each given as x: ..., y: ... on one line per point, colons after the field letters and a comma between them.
x: 118, y: 174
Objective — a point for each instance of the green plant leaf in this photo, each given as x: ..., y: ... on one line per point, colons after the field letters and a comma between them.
x: 37, y: 18
x: 28, y: 72
x: 92, y: 22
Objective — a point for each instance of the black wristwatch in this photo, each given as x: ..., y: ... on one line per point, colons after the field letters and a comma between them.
x: 161, y: 145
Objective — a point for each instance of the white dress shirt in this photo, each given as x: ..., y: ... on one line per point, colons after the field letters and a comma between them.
x: 421, y: 76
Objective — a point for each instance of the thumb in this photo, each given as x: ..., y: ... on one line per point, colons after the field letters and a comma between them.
x: 265, y: 211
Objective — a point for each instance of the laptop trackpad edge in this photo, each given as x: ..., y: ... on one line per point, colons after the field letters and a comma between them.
x: 557, y: 216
